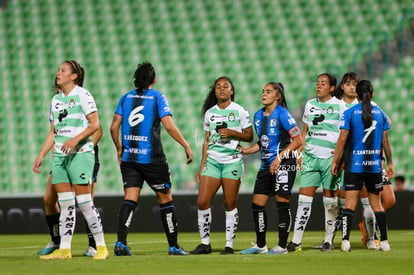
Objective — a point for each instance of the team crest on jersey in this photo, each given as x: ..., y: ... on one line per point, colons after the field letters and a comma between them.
x: 231, y: 117
x: 71, y: 103
x: 330, y: 110
x: 273, y: 123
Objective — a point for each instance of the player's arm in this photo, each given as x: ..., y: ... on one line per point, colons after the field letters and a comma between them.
x: 388, y: 154
x: 246, y: 134
x: 175, y: 133
x: 47, y: 146
x: 96, y: 137
x: 340, y: 144
x: 115, y: 125
x: 249, y: 150
x: 203, y: 155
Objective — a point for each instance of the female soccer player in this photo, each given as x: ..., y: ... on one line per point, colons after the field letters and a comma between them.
x: 74, y: 119
x: 321, y: 120
x: 141, y: 156
x: 50, y: 200
x: 279, y: 137
x: 226, y: 123
x: 364, y: 132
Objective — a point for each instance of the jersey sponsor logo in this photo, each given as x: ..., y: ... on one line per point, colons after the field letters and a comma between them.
x: 140, y: 96
x: 282, y: 177
x: 137, y: 151
x: 265, y: 141
x: 82, y: 176
x: 370, y: 162
x: 314, y: 109
x: 214, y: 117
x: 135, y: 138
x: 366, y: 152
x: 317, y: 134
x: 273, y: 123
x: 291, y: 121
x: 317, y: 119
x: 221, y: 125
x: 135, y: 117
x: 62, y: 114
x: 64, y: 131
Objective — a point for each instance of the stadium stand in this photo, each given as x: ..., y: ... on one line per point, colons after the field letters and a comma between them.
x: 190, y: 43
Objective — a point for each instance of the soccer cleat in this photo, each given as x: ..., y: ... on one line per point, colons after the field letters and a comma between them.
x: 90, y: 251
x: 58, y: 254
x: 255, y: 249
x: 384, y: 246
x: 363, y: 230
x: 294, y: 247
x: 277, y: 250
x: 201, y: 249
x: 49, y: 248
x: 227, y: 251
x: 346, y: 246
x: 326, y: 247
x: 372, y: 244
x: 318, y: 246
x: 101, y: 253
x: 172, y: 250
x: 121, y: 249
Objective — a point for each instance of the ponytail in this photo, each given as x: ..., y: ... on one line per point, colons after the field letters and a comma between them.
x: 364, y: 90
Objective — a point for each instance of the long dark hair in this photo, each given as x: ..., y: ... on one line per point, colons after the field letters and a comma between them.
x: 211, y: 98
x: 281, y: 90
x: 364, y: 91
x: 144, y: 76
x: 77, y: 69
x: 339, y: 92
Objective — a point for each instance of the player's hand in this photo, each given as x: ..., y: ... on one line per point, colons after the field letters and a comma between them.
x: 390, y: 171
x: 36, y: 164
x: 70, y: 145
x: 274, y: 167
x: 189, y: 154
x: 334, y: 169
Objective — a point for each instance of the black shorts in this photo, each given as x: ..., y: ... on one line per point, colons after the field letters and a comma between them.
x: 281, y: 183
x: 354, y: 181
x: 157, y: 175
x: 97, y: 164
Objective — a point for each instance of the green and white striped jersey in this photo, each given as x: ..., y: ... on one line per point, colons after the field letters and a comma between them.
x: 68, y: 113
x: 323, y: 120
x: 234, y: 117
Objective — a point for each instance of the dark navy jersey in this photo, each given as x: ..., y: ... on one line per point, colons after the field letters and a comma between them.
x: 273, y: 133
x: 141, y: 116
x: 363, y: 147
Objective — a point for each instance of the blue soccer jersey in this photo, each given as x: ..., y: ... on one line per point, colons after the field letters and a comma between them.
x: 363, y: 147
x: 141, y: 116
x: 273, y: 133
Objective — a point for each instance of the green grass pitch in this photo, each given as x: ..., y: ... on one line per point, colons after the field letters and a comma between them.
x: 18, y: 256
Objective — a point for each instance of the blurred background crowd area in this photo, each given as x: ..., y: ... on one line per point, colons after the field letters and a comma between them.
x: 191, y: 43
